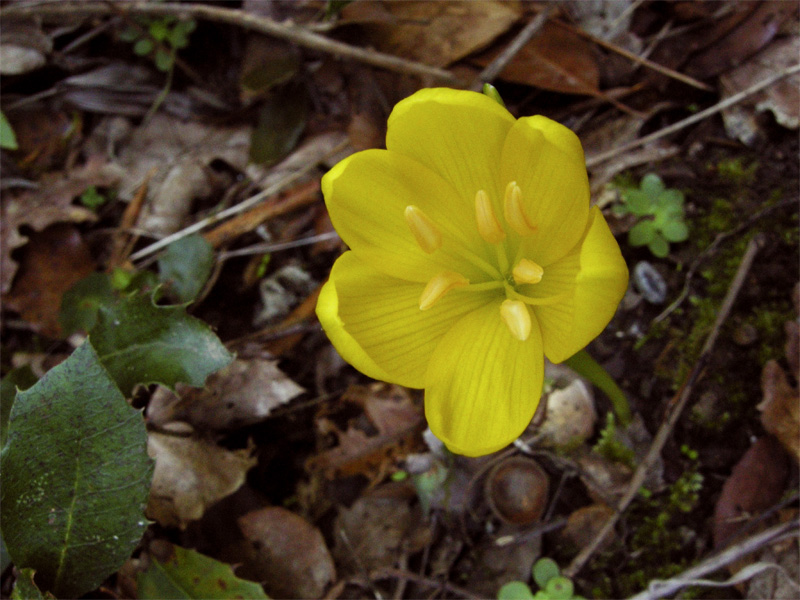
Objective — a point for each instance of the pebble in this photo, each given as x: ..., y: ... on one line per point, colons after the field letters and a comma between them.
x: 649, y: 282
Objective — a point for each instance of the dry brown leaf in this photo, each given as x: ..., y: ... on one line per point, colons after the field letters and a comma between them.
x: 780, y: 408
x: 190, y: 475
x: 243, y: 393
x: 50, y: 203
x: 286, y: 554
x: 755, y: 484
x: 434, y: 33
x: 53, y: 262
x: 556, y: 59
x: 389, y: 407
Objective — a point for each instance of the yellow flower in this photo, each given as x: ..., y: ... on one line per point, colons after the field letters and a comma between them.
x: 473, y: 254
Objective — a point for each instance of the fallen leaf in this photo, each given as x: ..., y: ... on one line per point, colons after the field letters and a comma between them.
x: 389, y: 407
x: 243, y: 393
x: 50, y: 203
x: 755, y: 484
x: 780, y: 408
x: 555, y: 59
x: 584, y: 524
x: 54, y: 260
x: 435, y: 33
x: 286, y: 554
x: 190, y: 475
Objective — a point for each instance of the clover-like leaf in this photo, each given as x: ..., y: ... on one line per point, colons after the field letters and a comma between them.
x: 638, y: 203
x: 659, y: 246
x: 75, y: 477
x: 675, y: 231
x: 642, y: 233
x: 515, y: 590
x: 559, y: 588
x: 140, y: 342
x: 544, y: 570
x: 652, y: 185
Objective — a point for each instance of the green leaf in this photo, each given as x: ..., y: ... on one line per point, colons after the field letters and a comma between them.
x: 143, y: 47
x: 8, y: 140
x: 139, y: 342
x: 80, y: 303
x: 659, y: 246
x: 92, y: 199
x: 585, y: 366
x: 159, y: 29
x: 671, y: 200
x: 652, y: 185
x: 515, y: 590
x: 179, y: 36
x: 280, y: 124
x: 675, y: 231
x: 129, y: 34
x: 559, y: 588
x: 75, y: 477
x: 642, y: 233
x: 186, y: 266
x: 544, y: 570
x: 189, y: 574
x: 22, y: 378
x: 25, y: 588
x: 638, y: 203
x: 164, y: 59
x: 491, y: 91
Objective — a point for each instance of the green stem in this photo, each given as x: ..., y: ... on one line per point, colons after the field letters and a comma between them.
x: 589, y: 368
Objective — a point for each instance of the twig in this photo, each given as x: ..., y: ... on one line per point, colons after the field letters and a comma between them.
x: 711, y: 248
x: 267, y: 248
x: 677, y: 405
x: 661, y: 589
x: 494, y: 68
x: 284, y: 31
x: 720, y: 106
x: 388, y: 572
x: 636, y: 58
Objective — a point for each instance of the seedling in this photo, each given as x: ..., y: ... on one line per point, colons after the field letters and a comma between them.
x: 546, y: 574
x: 660, y: 211
x: 159, y: 38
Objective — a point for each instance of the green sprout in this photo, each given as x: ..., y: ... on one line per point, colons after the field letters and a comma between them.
x: 546, y: 574
x: 160, y: 39
x: 660, y: 212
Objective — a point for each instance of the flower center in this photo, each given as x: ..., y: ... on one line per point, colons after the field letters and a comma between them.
x: 504, y: 277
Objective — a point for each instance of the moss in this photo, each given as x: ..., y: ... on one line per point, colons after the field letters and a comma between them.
x: 734, y: 171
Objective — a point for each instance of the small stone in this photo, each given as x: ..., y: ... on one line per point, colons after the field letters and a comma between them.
x: 649, y: 282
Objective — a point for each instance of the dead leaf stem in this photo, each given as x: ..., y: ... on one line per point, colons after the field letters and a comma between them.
x: 720, y: 106
x: 675, y: 408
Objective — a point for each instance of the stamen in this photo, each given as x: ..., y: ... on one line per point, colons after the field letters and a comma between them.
x: 527, y: 271
x: 514, y: 212
x: 488, y: 225
x: 517, y: 317
x: 438, y: 286
x: 541, y: 300
x: 425, y: 231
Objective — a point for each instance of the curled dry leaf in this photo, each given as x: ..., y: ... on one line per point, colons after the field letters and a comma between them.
x: 755, y: 484
x: 243, y: 393
x: 780, y: 408
x: 286, y: 554
x: 190, y: 475
x: 53, y: 262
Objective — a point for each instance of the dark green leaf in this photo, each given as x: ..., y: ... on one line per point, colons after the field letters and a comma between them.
x: 25, y: 588
x: 188, y: 574
x: 159, y: 29
x: 638, y: 203
x: 164, y: 59
x: 544, y: 570
x: 675, y: 231
x: 75, y: 477
x: 515, y: 590
x: 129, y: 34
x: 186, y: 266
x: 143, y: 47
x: 22, y: 378
x: 79, y: 304
x: 8, y: 140
x: 139, y: 342
x: 642, y: 233
x: 179, y: 36
x: 582, y: 363
x: 652, y: 185
x: 280, y: 124
x: 659, y: 246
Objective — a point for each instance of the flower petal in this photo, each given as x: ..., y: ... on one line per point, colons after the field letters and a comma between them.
x: 546, y: 160
x: 598, y: 276
x: 367, y: 195
x: 483, y: 385
x: 375, y: 323
x: 458, y: 134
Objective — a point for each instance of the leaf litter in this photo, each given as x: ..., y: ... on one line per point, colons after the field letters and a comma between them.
x: 320, y: 470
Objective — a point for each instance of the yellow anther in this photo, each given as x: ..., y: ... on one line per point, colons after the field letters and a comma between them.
x: 488, y: 225
x: 514, y: 211
x: 438, y: 286
x: 517, y: 318
x: 425, y: 231
x: 527, y: 271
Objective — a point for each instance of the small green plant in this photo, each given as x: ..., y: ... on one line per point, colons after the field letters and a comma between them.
x: 660, y: 212
x: 92, y: 199
x: 159, y: 38
x: 610, y: 446
x: 8, y: 141
x: 546, y: 574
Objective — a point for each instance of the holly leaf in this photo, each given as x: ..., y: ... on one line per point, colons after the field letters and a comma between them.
x: 140, y: 342
x: 76, y: 477
x: 20, y: 378
x: 189, y: 574
x: 186, y: 266
x: 80, y: 303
